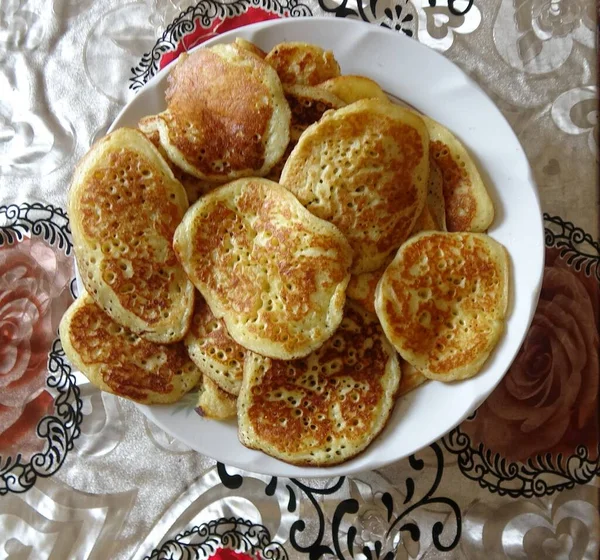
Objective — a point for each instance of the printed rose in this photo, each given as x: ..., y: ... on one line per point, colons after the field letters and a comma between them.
x: 548, y: 400
x: 34, y: 293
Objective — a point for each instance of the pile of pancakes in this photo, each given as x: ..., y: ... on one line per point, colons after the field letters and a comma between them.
x: 288, y: 242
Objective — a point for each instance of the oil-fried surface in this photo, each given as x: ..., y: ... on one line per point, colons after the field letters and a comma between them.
x: 442, y: 302
x: 327, y: 407
x: 411, y: 378
x: 364, y: 168
x: 218, y: 356
x: 215, y: 403
x: 125, y: 256
x: 226, y: 115
x: 303, y: 64
x: 275, y: 273
x: 351, y: 88
x: 118, y: 361
x: 435, y: 194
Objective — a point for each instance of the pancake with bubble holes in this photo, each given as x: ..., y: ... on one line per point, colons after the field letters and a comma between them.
x: 276, y: 274
x: 468, y: 205
x: 117, y: 361
x: 193, y: 186
x: 435, y: 195
x: 302, y: 63
x: 215, y: 403
x: 124, y: 205
x: 442, y: 302
x: 226, y: 114
x: 307, y: 104
x: 327, y: 407
x: 351, y: 88
x: 218, y: 356
x: 363, y: 167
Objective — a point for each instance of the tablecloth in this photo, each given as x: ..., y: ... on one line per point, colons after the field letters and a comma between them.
x: 84, y: 475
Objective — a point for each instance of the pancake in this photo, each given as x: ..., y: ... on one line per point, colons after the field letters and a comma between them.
x: 194, y: 187
x: 352, y: 88
x: 117, y: 361
x: 302, y: 64
x: 411, y: 378
x: 275, y: 274
x: 211, y: 348
x: 468, y: 205
x: 443, y: 300
x: 364, y: 168
x: 425, y: 222
x: 435, y: 195
x: 125, y: 254
x: 215, y: 403
x: 251, y: 47
x: 328, y: 407
x: 226, y: 115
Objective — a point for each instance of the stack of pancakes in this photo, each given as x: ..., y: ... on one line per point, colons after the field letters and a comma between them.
x: 333, y: 257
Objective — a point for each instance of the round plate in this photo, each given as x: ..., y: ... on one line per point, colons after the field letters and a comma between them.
x: 432, y: 84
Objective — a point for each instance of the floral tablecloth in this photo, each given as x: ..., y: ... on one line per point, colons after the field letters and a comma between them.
x: 84, y: 475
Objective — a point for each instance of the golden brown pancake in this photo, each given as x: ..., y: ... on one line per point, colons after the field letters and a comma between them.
x: 215, y: 403
x: 124, y: 205
x: 435, y: 195
x: 118, y: 361
x: 216, y: 354
x: 302, y: 64
x: 275, y: 273
x: 442, y: 302
x: 364, y: 168
x: 226, y: 115
x: 411, y: 378
x: 327, y: 407
x: 352, y: 88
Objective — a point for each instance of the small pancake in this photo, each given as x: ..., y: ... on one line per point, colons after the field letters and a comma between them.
x: 249, y: 46
x: 411, y: 378
x: 443, y: 300
x: 215, y: 353
x: 214, y: 402
x: 117, y: 361
x: 435, y: 195
x: 226, y: 115
x: 124, y: 205
x: 468, y: 205
x: 275, y: 273
x: 302, y: 64
x: 327, y: 407
x: 194, y: 187
x: 352, y: 88
x: 364, y: 168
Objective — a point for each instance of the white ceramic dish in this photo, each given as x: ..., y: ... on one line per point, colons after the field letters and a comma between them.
x: 435, y: 86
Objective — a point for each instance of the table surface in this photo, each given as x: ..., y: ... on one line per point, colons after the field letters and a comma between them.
x: 84, y: 475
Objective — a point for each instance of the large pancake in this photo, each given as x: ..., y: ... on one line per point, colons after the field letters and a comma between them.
x: 443, y: 300
x: 118, y: 361
x: 275, y: 273
x: 364, y: 168
x: 302, y: 64
x: 124, y: 205
x: 468, y: 205
x: 226, y: 115
x: 327, y: 407
x: 352, y: 88
x: 216, y: 354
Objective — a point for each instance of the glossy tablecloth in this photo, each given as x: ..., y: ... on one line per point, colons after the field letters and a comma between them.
x: 85, y: 475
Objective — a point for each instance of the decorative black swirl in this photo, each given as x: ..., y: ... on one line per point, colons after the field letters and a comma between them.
x: 543, y: 475
x: 203, y: 541
x: 205, y: 13
x: 451, y: 7
x: 60, y: 431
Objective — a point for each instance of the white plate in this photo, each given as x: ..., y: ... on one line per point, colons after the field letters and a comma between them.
x: 435, y: 86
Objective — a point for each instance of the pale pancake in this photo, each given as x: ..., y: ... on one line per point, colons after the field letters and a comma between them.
x: 442, y: 302
x: 194, y: 187
x: 218, y: 356
x: 411, y: 378
x: 124, y: 205
x: 352, y: 88
x: 249, y: 46
x: 226, y: 116
x: 435, y: 195
x: 215, y: 403
x: 116, y: 360
x: 302, y: 64
x: 364, y: 168
x: 327, y: 407
x: 275, y: 273
x: 468, y: 205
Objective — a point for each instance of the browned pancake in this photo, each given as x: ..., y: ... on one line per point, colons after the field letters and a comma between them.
x: 411, y: 378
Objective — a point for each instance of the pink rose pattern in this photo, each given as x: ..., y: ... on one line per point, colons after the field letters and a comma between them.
x: 34, y: 293
x: 548, y: 401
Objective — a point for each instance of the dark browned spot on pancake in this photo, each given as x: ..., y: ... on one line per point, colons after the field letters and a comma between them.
x: 218, y: 113
x: 127, y: 211
x: 121, y: 355
x: 306, y: 110
x: 458, y: 197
